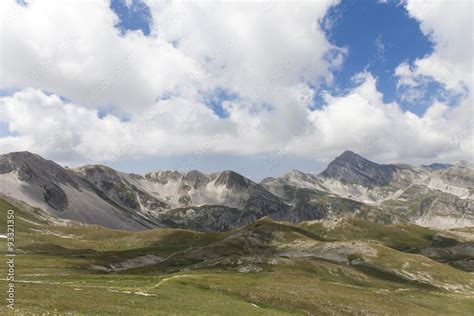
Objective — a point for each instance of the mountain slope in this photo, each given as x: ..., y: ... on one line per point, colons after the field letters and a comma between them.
x: 44, y: 184
x: 119, y: 188
x: 226, y: 188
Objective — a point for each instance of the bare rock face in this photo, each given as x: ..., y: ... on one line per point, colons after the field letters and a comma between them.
x: 195, y: 179
x: 32, y: 167
x: 232, y: 180
x: 120, y: 190
x: 444, y: 210
x: 351, y: 168
x: 111, y: 184
x: 45, y: 174
x: 163, y: 177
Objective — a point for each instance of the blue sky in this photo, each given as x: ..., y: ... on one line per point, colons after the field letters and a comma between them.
x: 379, y: 36
x: 133, y: 16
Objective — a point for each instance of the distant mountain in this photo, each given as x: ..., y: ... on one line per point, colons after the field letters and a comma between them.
x: 97, y: 194
x: 217, y: 201
x: 438, y: 195
x: 119, y: 188
x: 45, y: 184
x: 226, y: 188
x: 351, y: 168
x: 437, y: 166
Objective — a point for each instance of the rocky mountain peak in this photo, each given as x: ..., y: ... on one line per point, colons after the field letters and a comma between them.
x: 98, y: 174
x: 32, y: 167
x: 350, y: 157
x: 299, y: 175
x: 232, y: 180
x: 14, y: 160
x: 45, y: 175
x: 352, y: 168
x: 21, y: 155
x: 295, y: 173
x: 195, y: 179
x: 164, y: 177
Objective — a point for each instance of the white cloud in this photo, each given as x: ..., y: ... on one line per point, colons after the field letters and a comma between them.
x: 449, y: 26
x: 246, y: 46
x: 271, y: 56
x: 73, y: 49
x: 360, y: 121
x: 47, y: 125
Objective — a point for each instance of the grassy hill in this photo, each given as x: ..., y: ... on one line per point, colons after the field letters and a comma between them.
x: 266, y: 268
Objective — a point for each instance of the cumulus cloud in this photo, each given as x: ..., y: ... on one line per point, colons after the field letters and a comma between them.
x: 247, y: 46
x: 73, y: 50
x: 270, y: 58
x: 449, y: 26
x: 360, y: 121
x: 451, y: 62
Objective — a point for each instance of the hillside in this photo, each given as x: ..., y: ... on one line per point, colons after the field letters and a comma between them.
x: 266, y: 267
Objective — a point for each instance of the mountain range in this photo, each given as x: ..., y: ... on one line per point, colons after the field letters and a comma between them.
x: 436, y: 195
x: 347, y: 241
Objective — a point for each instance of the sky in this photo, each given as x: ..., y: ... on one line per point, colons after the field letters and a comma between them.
x: 260, y: 87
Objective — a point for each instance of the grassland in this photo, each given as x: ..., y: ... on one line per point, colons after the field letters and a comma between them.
x: 267, y: 268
